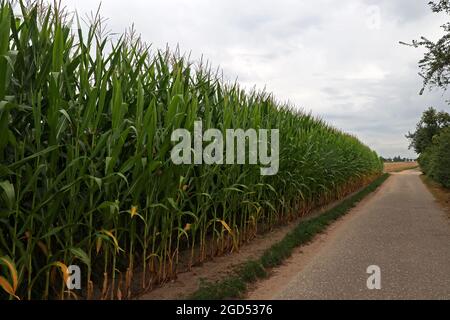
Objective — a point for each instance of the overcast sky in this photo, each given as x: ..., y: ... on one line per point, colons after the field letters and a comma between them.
x: 338, y: 59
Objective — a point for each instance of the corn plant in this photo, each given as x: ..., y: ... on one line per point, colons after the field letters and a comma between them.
x: 86, y: 176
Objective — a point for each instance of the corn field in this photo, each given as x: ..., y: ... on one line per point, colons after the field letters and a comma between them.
x: 85, y: 171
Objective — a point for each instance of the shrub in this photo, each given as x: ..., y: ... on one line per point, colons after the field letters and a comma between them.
x: 435, y: 160
x: 441, y: 158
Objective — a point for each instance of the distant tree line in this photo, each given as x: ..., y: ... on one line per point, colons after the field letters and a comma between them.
x: 397, y: 159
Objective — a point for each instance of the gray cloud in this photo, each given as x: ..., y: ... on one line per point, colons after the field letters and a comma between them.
x: 339, y: 59
x: 404, y: 11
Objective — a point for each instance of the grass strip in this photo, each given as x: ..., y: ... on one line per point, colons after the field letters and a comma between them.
x: 235, y: 285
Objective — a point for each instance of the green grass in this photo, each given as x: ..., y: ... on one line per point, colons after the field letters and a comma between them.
x: 85, y: 171
x: 235, y: 286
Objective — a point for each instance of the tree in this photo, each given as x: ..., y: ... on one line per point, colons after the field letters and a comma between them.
x: 442, y: 158
x: 435, y: 64
x: 432, y: 141
x: 430, y: 125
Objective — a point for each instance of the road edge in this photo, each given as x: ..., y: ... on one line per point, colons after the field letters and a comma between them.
x: 235, y: 285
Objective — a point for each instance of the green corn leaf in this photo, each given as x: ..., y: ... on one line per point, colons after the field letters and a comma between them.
x: 8, y: 194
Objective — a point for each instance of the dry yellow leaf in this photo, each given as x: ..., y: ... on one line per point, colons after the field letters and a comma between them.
x: 13, y: 272
x: 64, y: 270
x: 7, y: 287
x: 133, y: 211
x: 226, y: 227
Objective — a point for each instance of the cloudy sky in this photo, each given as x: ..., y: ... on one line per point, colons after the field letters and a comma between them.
x: 341, y: 60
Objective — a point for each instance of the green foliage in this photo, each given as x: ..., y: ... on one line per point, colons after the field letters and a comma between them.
x: 252, y: 271
x: 431, y: 123
x: 85, y: 169
x: 431, y: 140
x: 442, y: 158
x: 425, y: 161
x: 435, y: 160
x: 434, y: 65
x: 231, y: 287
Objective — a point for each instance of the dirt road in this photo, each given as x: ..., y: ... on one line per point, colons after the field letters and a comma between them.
x: 400, y: 229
